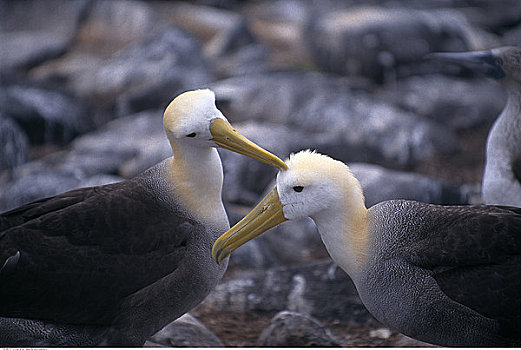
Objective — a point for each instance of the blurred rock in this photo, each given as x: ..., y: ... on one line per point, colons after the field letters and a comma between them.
x: 46, y: 116
x: 511, y: 37
x: 249, y: 59
x: 146, y: 74
x: 110, y: 25
x: 106, y: 28
x: 33, y: 32
x: 122, y: 147
x: 292, y: 329
x: 26, y: 49
x: 186, y: 331
x: 19, y: 190
x: 458, y: 103
x: 126, y: 146
x: 205, y: 22
x: 349, y: 125
x: 404, y: 341
x: 229, y: 40
x: 376, y: 41
x: 320, y: 289
x: 380, y: 184
x: 13, y: 144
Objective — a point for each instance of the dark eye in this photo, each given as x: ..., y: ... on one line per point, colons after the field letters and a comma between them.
x: 298, y: 188
x: 191, y: 135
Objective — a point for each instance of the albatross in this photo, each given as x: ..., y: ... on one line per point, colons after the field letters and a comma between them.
x: 501, y: 182
x: 113, y: 264
x: 447, y: 275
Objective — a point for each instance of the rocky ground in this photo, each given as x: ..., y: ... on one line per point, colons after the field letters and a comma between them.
x: 83, y: 84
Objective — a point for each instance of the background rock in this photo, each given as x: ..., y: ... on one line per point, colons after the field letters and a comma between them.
x: 460, y: 104
x: 46, y: 115
x: 13, y: 144
x: 319, y: 289
x: 186, y: 331
x: 296, y: 330
x: 349, y: 125
x: 376, y: 42
x: 33, y: 32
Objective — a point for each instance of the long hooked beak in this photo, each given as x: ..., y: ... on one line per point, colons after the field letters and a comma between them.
x: 267, y: 214
x: 225, y: 136
x: 484, y: 62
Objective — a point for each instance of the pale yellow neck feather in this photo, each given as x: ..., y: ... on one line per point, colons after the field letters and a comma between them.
x: 346, y: 234
x: 196, y: 178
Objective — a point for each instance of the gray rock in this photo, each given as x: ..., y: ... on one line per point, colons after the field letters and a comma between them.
x: 459, y: 103
x: 376, y: 41
x: 249, y: 59
x: 205, y: 22
x: 146, y: 74
x: 18, y: 189
x: 13, y: 144
x: 27, y: 49
x: 122, y: 147
x: 320, y: 289
x: 296, y: 330
x: 380, y: 184
x: 32, y: 15
x: 348, y: 125
x: 33, y: 32
x: 186, y: 331
x: 46, y: 116
x: 125, y: 146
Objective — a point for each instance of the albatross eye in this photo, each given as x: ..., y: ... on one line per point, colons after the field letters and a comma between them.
x: 191, y: 135
x: 298, y: 188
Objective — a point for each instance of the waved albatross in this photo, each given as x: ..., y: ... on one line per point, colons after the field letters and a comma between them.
x: 447, y: 275
x: 502, y: 176
x: 113, y: 264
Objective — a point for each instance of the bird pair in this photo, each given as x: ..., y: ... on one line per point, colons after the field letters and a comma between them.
x: 111, y: 265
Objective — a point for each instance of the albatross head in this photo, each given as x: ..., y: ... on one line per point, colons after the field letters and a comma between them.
x: 193, y: 119
x: 314, y: 185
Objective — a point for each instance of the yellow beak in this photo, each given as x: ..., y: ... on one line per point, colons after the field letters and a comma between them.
x: 267, y: 214
x: 225, y: 136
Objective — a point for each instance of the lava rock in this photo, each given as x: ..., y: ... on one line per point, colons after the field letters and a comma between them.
x: 380, y: 184
x: 13, y: 144
x: 375, y: 41
x: 320, y: 289
x: 296, y: 330
x: 123, y: 147
x: 33, y: 32
x: 186, y: 331
x: 459, y: 103
x: 27, y: 49
x: 17, y: 191
x: 46, y: 116
x: 348, y: 124
x: 145, y: 74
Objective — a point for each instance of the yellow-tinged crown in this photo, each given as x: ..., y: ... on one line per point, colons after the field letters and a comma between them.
x: 189, y: 105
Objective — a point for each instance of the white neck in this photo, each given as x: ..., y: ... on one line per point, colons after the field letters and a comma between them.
x: 197, y: 178
x: 344, y: 231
